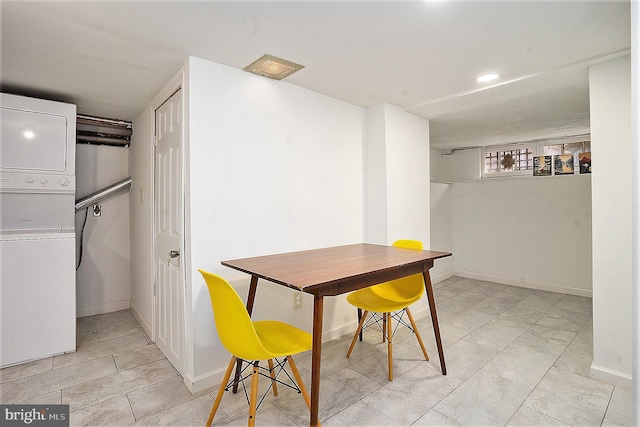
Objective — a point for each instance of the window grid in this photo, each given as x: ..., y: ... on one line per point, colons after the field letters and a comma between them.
x: 520, y: 159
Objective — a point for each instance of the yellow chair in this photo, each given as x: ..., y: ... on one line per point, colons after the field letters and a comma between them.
x: 252, y: 342
x: 392, y: 299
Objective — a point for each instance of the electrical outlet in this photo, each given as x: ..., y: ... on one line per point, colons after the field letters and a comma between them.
x: 97, y: 209
x: 297, y: 300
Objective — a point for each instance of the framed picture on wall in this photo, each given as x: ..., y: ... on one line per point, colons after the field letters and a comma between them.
x: 542, y: 166
x: 563, y: 164
x: 584, y: 159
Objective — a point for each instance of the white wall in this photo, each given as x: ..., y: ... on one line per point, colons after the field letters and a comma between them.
x: 610, y: 100
x: 408, y: 189
x: 516, y: 231
x: 273, y: 168
x: 397, y: 176
x: 141, y: 219
x: 103, y: 281
x: 456, y: 166
x: 441, y: 230
x: 531, y: 232
x: 635, y: 141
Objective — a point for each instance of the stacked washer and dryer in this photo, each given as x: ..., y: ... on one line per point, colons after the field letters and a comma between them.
x: 37, y: 232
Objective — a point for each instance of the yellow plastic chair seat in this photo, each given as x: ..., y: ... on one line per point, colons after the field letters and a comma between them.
x: 383, y: 298
x: 281, y: 339
x: 387, y: 298
x: 251, y: 342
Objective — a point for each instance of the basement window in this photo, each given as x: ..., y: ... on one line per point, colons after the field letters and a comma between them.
x: 507, y: 160
x: 518, y: 159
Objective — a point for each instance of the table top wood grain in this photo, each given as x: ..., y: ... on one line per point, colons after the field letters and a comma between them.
x: 339, y: 269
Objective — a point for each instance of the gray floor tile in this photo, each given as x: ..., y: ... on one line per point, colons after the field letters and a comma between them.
x: 409, y: 396
x: 571, y: 398
x: 545, y: 339
x: 160, y: 397
x: 116, y: 384
x: 117, y: 331
x: 138, y: 356
x: 192, y: 413
x: 537, y: 302
x: 542, y: 342
x: 620, y: 408
x: 529, y: 417
x: 495, y: 306
x: 577, y: 359
x: 585, y: 335
x: 577, y: 304
x: 484, y: 399
x: 267, y: 415
x: 360, y: 414
x: 339, y: 391
x: 523, y: 315
x: 53, y: 398
x: 436, y: 419
x: 56, y: 379
x: 100, y: 349
x: 566, y: 320
x: 497, y: 333
x: 112, y: 412
x: 375, y: 366
x: 469, y: 320
x: 464, y: 358
x: 522, y: 365
x: 26, y: 370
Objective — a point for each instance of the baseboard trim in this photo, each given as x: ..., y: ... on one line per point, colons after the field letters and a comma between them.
x: 101, y: 309
x: 612, y: 377
x: 142, y: 321
x: 205, y: 381
x: 441, y: 277
x: 524, y: 284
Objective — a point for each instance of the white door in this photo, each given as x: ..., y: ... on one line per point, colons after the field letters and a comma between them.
x: 169, y: 232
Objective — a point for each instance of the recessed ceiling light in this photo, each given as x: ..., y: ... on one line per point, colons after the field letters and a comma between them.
x: 273, y: 67
x: 486, y: 78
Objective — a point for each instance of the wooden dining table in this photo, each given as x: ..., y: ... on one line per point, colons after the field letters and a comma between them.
x: 337, y: 270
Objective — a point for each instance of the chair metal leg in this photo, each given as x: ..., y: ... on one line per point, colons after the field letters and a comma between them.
x: 272, y: 374
x: 223, y: 384
x: 415, y: 329
x: 358, y: 331
x: 384, y: 326
x: 254, y: 394
x: 389, y: 346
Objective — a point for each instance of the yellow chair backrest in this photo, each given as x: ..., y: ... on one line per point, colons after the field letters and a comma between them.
x: 404, y: 288
x: 235, y: 328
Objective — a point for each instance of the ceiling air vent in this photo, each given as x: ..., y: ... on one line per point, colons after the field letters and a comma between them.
x: 100, y: 131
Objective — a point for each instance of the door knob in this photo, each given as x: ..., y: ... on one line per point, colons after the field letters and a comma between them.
x: 174, y: 254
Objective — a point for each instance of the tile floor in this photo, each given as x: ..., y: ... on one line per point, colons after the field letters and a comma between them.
x: 514, y: 356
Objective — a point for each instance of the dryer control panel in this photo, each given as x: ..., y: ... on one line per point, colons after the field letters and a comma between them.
x: 29, y: 182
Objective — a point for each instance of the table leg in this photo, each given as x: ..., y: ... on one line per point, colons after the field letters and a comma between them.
x: 250, y: 298
x: 318, y: 308
x: 434, y: 318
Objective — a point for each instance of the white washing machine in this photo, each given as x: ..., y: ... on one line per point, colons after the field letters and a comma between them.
x: 37, y: 238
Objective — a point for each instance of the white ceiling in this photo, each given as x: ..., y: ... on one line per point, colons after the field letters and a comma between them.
x: 112, y: 58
